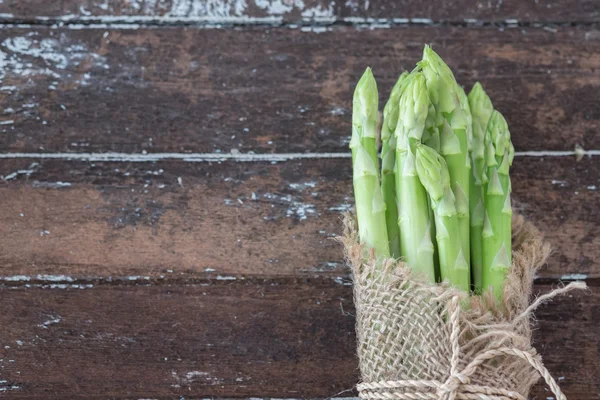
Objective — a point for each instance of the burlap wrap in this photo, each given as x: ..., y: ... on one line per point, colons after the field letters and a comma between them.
x: 415, y: 341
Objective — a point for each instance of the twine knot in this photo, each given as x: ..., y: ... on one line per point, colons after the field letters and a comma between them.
x: 450, y: 388
x: 458, y: 384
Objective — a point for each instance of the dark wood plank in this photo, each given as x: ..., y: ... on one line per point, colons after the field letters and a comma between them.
x: 242, y: 219
x: 271, y: 339
x: 274, y: 90
x: 299, y: 11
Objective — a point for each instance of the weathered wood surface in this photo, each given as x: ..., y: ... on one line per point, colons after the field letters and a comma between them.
x: 295, y: 11
x: 274, y: 90
x: 178, y: 220
x: 290, y: 339
x: 177, y: 279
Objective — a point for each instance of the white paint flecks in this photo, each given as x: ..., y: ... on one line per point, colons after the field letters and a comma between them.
x: 338, y: 111
x: 51, y: 185
x: 278, y: 7
x: 28, y: 55
x: 39, y: 277
x: 67, y: 282
x: 213, y: 12
x: 54, y: 278
x: 316, y: 29
x: 148, y: 7
x: 422, y: 21
x: 194, y: 376
x: 216, y: 157
x: 574, y: 277
x: 219, y: 13
x: 51, y: 321
x: 129, y: 25
x: 125, y: 22
x: 341, y: 207
x: 341, y: 281
x: 65, y: 286
x: 320, y: 13
x: 326, y: 266
x: 44, y: 49
x: 549, y: 153
x: 4, y: 388
x: 15, y: 278
x: 295, y: 208
x: 138, y: 278
x: 207, y: 8
x: 226, y: 278
x: 27, y: 172
x: 353, y: 4
x: 302, y: 186
x: 300, y: 210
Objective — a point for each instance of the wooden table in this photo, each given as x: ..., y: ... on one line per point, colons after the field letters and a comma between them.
x: 174, y: 172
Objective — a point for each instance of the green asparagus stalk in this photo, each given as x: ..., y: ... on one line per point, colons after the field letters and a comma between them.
x: 497, y: 255
x: 388, y: 161
x: 431, y: 134
x: 466, y: 109
x: 431, y: 138
x: 452, y: 125
x: 481, y: 110
x: 370, y: 207
x: 433, y: 174
x: 416, y: 246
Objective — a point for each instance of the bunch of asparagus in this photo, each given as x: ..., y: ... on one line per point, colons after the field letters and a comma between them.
x: 441, y: 199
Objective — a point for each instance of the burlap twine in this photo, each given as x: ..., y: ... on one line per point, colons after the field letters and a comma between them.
x: 416, y: 341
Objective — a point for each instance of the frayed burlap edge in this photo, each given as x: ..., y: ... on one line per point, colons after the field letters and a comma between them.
x: 417, y: 340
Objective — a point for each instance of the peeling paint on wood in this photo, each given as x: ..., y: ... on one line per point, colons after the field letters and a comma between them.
x: 217, y: 157
x: 137, y: 251
x: 275, y: 90
x: 285, y: 341
x: 240, y: 219
x: 293, y: 11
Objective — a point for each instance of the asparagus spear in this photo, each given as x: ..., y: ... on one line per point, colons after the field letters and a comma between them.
x: 452, y: 125
x: 416, y: 246
x: 497, y: 256
x: 433, y: 174
x: 431, y: 134
x: 481, y: 110
x: 431, y: 138
x: 370, y: 207
x: 388, y: 161
x: 466, y: 109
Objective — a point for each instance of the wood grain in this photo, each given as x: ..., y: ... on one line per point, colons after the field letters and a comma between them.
x: 88, y: 220
x: 275, y: 90
x: 298, y: 11
x: 197, y: 280
x: 242, y: 339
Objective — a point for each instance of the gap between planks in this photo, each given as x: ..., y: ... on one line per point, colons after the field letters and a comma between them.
x: 308, y: 23
x: 46, y: 281
x: 242, y: 157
